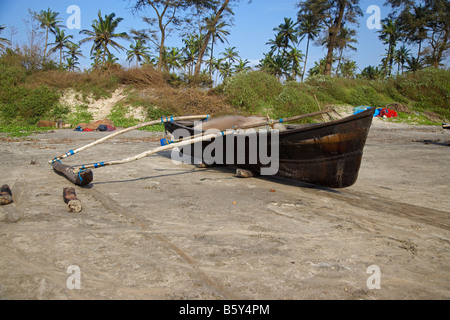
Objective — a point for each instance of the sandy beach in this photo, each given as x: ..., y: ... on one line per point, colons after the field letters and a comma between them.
x: 154, y: 229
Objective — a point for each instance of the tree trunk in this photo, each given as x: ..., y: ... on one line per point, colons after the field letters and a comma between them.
x: 306, y: 58
x: 211, y: 60
x: 441, y: 49
x: 333, y: 32
x: 339, y: 61
x: 208, y: 36
x: 420, y: 46
x: 46, y: 41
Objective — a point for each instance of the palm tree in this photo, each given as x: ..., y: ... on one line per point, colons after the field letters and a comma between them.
x: 137, y: 51
x: 348, y: 69
x: 295, y: 56
x: 72, y: 64
x: 400, y: 56
x: 390, y: 34
x: 230, y: 54
x: 103, y: 34
x: 309, y: 28
x: 371, y: 73
x: 3, y: 40
x: 276, y: 44
x: 96, y: 59
x: 414, y: 25
x: 218, y: 32
x: 49, y: 21
x: 319, y: 67
x: 278, y: 65
x: 242, y: 65
x: 414, y: 64
x: 287, y: 33
x: 111, y: 62
x: 173, y: 58
x: 344, y: 40
x: 225, y: 69
x: 61, y: 41
x: 191, y: 50
x: 73, y: 51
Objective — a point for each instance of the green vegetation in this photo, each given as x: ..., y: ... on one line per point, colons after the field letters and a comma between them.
x: 426, y: 91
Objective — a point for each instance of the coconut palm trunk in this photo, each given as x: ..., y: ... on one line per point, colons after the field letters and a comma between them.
x: 208, y: 37
x: 306, y: 58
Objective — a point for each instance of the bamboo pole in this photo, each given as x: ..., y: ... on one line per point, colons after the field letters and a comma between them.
x: 268, y: 122
x: 184, y: 142
x: 117, y: 133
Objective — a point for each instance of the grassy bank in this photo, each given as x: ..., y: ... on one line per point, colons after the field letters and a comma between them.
x: 25, y: 98
x: 425, y: 92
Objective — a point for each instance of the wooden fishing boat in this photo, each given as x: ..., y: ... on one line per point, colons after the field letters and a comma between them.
x: 327, y: 154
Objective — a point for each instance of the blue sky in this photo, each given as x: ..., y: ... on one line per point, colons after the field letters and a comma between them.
x: 253, y: 26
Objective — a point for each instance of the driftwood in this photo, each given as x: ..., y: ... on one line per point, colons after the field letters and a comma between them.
x: 70, y: 197
x: 5, y: 195
x: 78, y: 177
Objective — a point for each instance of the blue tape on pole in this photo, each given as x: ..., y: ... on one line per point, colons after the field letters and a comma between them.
x: 71, y: 152
x: 171, y: 118
x: 79, y: 176
x: 165, y: 142
x: 281, y: 120
x: 102, y: 164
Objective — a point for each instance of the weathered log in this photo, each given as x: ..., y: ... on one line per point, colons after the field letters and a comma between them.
x: 80, y: 178
x: 5, y: 195
x: 70, y: 197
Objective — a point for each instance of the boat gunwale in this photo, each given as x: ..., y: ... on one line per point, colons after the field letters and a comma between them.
x: 313, y: 126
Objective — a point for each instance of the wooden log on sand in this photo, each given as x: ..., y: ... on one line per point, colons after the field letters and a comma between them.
x: 70, y: 197
x: 80, y: 178
x: 5, y: 195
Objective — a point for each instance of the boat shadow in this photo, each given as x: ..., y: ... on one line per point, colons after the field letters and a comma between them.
x: 227, y: 169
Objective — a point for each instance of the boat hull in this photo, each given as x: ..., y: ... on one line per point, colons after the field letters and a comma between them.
x: 326, y: 154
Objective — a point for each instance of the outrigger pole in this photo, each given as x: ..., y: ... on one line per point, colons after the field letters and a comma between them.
x: 82, y: 175
x: 117, y: 133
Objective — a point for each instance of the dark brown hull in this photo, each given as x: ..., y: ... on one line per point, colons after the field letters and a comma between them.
x: 326, y: 154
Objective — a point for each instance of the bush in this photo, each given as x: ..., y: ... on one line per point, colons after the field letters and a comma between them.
x: 80, y: 115
x: 429, y: 90
x: 366, y: 95
x: 27, y: 106
x: 11, y: 76
x: 251, y: 91
x: 292, y: 101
